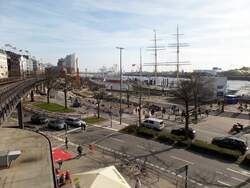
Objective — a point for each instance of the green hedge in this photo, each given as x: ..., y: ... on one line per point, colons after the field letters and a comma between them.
x: 166, y: 136
x: 94, y: 119
x: 131, y: 129
x: 246, y: 160
x: 52, y: 107
x: 146, y: 132
x: 194, y: 145
x: 213, y: 149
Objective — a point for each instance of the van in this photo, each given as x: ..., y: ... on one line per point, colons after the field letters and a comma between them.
x: 153, y: 123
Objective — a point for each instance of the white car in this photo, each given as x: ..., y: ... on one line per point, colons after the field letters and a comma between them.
x: 76, y: 122
x: 58, y: 124
x: 153, y: 123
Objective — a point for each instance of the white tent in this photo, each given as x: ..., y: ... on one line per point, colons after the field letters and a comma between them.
x: 101, y: 178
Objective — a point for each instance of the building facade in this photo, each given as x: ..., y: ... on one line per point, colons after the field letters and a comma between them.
x: 3, y: 65
x: 28, y: 68
x: 220, y: 86
x: 68, y: 63
x: 15, y: 64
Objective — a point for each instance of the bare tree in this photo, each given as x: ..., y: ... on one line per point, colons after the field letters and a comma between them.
x: 184, y: 93
x: 98, y: 95
x: 202, y: 90
x: 50, y: 78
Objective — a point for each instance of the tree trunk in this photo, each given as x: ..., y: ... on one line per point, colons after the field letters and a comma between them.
x: 98, y: 110
x: 128, y: 98
x: 186, y: 120
x: 195, y: 109
x: 65, y: 99
x: 32, y: 95
x: 139, y: 109
x: 48, y: 93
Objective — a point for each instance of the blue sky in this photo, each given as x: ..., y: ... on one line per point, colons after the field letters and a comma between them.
x: 218, y: 31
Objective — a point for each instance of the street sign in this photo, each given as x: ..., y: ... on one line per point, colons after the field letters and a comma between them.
x: 182, y: 169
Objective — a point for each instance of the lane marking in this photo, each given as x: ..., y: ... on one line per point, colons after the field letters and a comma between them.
x: 244, y: 173
x: 70, y: 131
x: 142, y: 147
x: 218, y: 172
x: 223, y: 183
x: 109, y: 128
x: 238, y: 179
x: 177, y: 158
x: 118, y: 140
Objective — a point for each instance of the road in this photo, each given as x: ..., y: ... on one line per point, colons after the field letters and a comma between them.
x: 201, y: 167
x: 204, y: 169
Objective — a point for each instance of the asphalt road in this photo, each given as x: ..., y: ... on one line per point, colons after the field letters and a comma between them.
x: 203, y: 169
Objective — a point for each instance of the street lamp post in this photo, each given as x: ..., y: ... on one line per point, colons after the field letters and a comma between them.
x: 120, y: 49
x: 110, y: 109
x: 140, y: 89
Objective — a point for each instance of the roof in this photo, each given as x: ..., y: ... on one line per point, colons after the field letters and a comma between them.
x: 103, y: 177
x: 2, y: 51
x: 154, y: 119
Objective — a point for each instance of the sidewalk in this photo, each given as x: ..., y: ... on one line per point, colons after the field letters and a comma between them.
x: 33, y: 168
x: 116, y: 126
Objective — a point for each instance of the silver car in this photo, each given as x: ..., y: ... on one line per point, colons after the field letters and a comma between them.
x: 74, y: 122
x: 58, y: 124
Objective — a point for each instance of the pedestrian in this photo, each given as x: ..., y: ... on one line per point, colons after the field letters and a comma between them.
x: 199, y: 111
x: 60, y: 163
x: 66, y: 141
x: 211, y: 106
x: 137, y: 183
x: 62, y: 179
x: 79, y: 150
x: 67, y: 177
x: 84, y: 126
x: 222, y: 108
x: 207, y: 112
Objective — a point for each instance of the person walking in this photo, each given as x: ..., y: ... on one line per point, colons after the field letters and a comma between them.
x: 60, y: 163
x: 66, y: 141
x: 79, y: 150
x: 137, y: 183
x: 84, y: 126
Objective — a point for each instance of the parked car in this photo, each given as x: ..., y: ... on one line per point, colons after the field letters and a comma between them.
x: 76, y: 122
x: 38, y: 119
x: 155, y: 108
x: 58, y: 124
x: 231, y: 143
x: 181, y: 132
x: 153, y: 123
x: 76, y: 103
x: 42, y: 93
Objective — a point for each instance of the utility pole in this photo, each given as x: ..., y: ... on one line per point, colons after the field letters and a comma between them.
x: 155, y: 49
x: 140, y: 82
x: 120, y: 49
x: 110, y: 109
